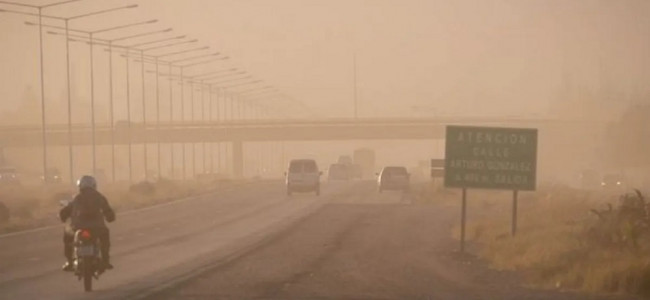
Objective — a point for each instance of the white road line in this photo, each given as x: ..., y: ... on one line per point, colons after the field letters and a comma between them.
x: 181, y: 200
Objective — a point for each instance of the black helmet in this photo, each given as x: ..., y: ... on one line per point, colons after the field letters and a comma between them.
x: 86, y: 182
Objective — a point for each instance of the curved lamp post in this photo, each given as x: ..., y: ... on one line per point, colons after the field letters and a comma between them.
x: 40, y: 25
x: 92, y: 41
x: 110, y: 44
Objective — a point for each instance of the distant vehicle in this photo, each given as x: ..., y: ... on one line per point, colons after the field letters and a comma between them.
x: 303, y: 176
x: 345, y: 160
x: 338, y: 172
x: 354, y: 169
x: 612, y: 181
x: 9, y: 176
x: 52, y: 176
x: 365, y: 158
x: 393, y: 178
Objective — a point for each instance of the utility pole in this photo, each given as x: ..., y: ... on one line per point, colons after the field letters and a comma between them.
x: 354, y: 68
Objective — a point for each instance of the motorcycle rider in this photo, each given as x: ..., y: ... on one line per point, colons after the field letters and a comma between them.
x: 87, y: 210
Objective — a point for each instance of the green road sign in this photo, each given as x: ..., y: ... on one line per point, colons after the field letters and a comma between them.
x: 491, y: 158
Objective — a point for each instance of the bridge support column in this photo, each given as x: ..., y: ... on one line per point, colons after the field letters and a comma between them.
x: 238, y: 159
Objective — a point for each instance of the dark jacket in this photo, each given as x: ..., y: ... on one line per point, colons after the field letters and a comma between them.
x: 88, y: 210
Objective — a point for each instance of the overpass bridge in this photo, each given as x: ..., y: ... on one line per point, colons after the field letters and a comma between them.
x: 259, y: 130
x: 237, y: 133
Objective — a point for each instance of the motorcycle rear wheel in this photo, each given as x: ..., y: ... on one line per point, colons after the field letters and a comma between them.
x: 88, y: 276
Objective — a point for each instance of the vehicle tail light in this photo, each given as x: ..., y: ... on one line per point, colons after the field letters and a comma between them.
x: 85, y: 234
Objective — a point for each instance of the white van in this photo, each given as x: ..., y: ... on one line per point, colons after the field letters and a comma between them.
x: 303, y: 176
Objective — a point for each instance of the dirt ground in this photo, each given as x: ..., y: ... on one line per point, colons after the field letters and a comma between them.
x: 365, y: 246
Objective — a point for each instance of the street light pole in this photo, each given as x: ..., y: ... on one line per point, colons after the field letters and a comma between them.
x: 202, y: 83
x: 92, y: 87
x: 192, y: 119
x: 144, y: 118
x: 40, y: 45
x: 218, y: 123
x: 112, y: 107
x: 92, y: 104
x: 232, y: 109
x: 183, y: 122
x: 128, y: 119
x: 224, y: 120
x: 210, y: 122
x: 182, y: 82
x: 171, y: 120
x: 67, y: 34
x: 203, y: 121
x: 67, y: 70
x: 242, y: 109
x: 92, y: 43
x: 42, y: 77
x: 66, y: 20
x: 128, y: 100
x: 144, y: 107
x: 354, y: 63
x: 157, y: 62
x: 158, y: 121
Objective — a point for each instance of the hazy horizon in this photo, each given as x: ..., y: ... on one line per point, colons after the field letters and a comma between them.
x: 572, y: 60
x: 414, y: 58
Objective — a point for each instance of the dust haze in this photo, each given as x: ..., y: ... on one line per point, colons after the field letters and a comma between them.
x: 228, y: 133
x: 580, y: 67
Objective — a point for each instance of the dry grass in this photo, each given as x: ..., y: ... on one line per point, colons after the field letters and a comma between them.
x: 554, y: 246
x: 427, y: 192
x: 32, y: 207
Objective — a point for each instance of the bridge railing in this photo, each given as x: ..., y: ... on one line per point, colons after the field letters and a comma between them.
x: 121, y: 126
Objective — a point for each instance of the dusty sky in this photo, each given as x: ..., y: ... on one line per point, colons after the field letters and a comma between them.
x: 414, y: 58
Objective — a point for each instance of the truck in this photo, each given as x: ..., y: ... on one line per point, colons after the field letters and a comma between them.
x: 365, y: 159
x: 345, y: 160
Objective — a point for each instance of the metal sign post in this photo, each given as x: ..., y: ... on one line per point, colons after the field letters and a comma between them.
x: 462, y: 221
x: 489, y: 158
x: 514, y: 212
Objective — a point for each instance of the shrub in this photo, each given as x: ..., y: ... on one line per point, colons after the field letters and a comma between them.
x: 560, y: 245
x: 143, y: 188
x: 621, y: 227
x: 25, y: 208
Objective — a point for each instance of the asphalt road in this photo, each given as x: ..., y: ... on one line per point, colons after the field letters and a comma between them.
x: 153, y: 246
x: 254, y: 242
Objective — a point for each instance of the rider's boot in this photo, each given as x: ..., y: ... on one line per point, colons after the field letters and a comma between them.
x: 106, y: 261
x: 68, y: 266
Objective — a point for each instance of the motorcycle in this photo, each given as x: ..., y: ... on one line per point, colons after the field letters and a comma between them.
x: 87, y: 261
